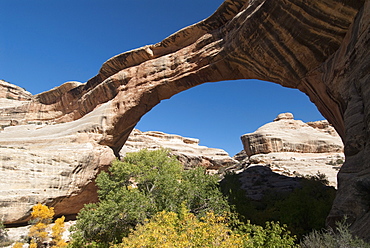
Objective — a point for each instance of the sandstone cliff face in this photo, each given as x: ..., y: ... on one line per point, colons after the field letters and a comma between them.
x: 53, y: 164
x: 12, y: 92
x: 12, y: 98
x: 291, y: 147
x: 57, y: 163
x: 319, y: 47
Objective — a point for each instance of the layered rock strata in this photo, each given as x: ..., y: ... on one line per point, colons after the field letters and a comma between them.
x: 12, y: 97
x: 293, y: 148
x: 51, y: 164
x: 318, y: 47
x: 289, y: 135
x: 293, y: 164
x: 187, y: 150
x: 57, y: 163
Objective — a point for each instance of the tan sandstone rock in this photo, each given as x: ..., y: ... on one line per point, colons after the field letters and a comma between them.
x: 293, y: 164
x: 187, y: 150
x: 12, y: 92
x: 288, y: 135
x: 56, y: 164
x: 319, y: 47
x: 293, y: 148
x: 52, y: 164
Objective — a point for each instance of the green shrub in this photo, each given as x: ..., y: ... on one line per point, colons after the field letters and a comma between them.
x: 168, y: 229
x: 273, y: 235
x: 338, y: 238
x: 302, y: 210
x: 143, y: 184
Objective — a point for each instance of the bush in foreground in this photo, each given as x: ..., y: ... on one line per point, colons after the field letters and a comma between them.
x: 184, y: 229
x: 340, y: 237
x: 302, y: 210
x: 143, y: 184
x: 41, y: 218
x: 169, y: 229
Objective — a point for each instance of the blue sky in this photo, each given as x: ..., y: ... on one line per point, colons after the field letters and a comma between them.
x: 45, y: 43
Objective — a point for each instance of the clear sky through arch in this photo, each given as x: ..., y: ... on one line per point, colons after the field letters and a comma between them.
x: 219, y: 113
x: 46, y: 43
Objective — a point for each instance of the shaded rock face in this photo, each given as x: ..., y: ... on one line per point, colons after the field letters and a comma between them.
x: 318, y: 47
x: 259, y: 180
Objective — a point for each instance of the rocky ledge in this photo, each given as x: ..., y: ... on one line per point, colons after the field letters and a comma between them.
x: 57, y: 163
x: 279, y: 152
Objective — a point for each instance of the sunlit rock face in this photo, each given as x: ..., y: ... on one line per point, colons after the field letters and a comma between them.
x: 51, y: 164
x: 11, y: 97
x: 319, y: 47
x: 289, y: 135
x: 56, y: 164
x: 187, y: 150
x: 291, y: 147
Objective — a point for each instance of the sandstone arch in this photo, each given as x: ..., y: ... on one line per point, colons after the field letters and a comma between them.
x: 318, y: 47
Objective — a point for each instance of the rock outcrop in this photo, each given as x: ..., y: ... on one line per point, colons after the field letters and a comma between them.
x: 13, y: 92
x: 57, y: 163
x: 12, y: 97
x: 293, y: 164
x: 52, y: 164
x: 187, y: 150
x: 291, y: 148
x: 288, y: 135
x: 319, y: 47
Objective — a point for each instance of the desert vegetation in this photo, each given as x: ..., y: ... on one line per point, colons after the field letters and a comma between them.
x: 42, y: 233
x: 149, y: 197
x: 302, y: 210
x: 340, y: 237
x: 148, y: 200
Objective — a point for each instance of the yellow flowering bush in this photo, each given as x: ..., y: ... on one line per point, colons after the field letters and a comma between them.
x: 169, y: 229
x: 18, y: 245
x: 57, y: 232
x: 41, y: 217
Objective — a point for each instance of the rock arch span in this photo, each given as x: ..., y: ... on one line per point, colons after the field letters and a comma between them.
x: 318, y: 47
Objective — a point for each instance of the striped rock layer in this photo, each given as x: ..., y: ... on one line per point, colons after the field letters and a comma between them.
x: 319, y: 47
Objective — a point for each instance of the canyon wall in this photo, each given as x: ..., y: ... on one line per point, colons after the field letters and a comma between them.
x: 319, y: 47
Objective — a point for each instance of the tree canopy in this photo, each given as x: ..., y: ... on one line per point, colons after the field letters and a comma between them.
x: 135, y: 189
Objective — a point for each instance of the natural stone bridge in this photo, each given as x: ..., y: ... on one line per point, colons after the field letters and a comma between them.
x: 319, y: 47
